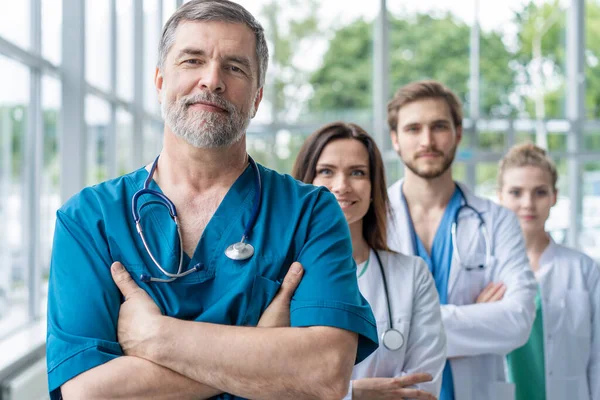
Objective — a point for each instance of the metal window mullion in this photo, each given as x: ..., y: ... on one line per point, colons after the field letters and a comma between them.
x: 381, y: 73
x: 474, y: 96
x: 32, y: 159
x: 26, y: 57
x: 73, y: 141
x: 111, y: 137
x: 138, y: 86
x: 575, y: 67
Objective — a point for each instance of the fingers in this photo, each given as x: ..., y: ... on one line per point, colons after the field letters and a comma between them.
x: 499, y: 294
x: 291, y: 281
x: 413, y: 379
x: 417, y: 394
x: 491, y: 292
x: 123, y: 280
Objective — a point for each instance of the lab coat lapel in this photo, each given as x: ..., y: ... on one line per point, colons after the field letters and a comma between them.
x: 483, y: 207
x: 400, y: 237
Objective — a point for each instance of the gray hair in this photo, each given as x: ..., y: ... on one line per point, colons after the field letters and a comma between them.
x: 215, y: 10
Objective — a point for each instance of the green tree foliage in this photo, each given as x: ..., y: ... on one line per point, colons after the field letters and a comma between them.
x: 421, y: 46
x: 289, y: 25
x: 528, y: 22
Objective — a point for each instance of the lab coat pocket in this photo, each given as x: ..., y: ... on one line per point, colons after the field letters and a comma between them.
x: 578, y: 312
x: 263, y: 292
x: 502, y: 391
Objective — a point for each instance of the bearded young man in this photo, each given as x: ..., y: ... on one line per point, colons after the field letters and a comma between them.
x: 139, y: 307
x: 473, y: 247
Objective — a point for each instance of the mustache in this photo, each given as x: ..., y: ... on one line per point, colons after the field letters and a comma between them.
x: 429, y: 150
x: 206, y: 97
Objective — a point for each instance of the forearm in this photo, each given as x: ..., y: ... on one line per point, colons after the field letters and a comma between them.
x: 487, y: 328
x: 134, y: 378
x: 266, y: 363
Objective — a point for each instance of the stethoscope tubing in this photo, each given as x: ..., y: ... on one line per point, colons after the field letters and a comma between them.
x: 166, y: 202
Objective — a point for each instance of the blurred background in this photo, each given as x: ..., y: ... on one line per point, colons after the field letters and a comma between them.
x: 78, y: 106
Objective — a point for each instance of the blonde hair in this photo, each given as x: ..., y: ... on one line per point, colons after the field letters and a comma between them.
x: 524, y: 155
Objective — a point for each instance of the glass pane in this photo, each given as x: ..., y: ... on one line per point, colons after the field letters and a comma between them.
x: 50, y: 180
x: 486, y: 178
x: 124, y: 142
x: 15, y: 22
x: 97, y: 118
x: 430, y: 41
x: 557, y: 142
x: 538, y: 66
x: 169, y: 7
x: 559, y: 220
x: 590, y: 236
x: 522, y: 137
x: 97, y: 43
x: 125, y: 49
x: 153, y: 136
x: 14, y: 101
x: 591, y: 140
x: 394, y: 171
x: 52, y: 30
x: 152, y: 26
x: 592, y: 58
x: 492, y: 141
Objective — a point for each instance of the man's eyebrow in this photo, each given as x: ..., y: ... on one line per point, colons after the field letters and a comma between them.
x: 190, y: 51
x: 244, y: 61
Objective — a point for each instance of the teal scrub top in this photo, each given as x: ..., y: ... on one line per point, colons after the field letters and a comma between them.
x: 297, y: 222
x: 526, y: 364
x: 439, y: 263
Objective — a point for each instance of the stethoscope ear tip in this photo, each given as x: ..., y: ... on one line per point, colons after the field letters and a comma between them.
x: 145, y: 278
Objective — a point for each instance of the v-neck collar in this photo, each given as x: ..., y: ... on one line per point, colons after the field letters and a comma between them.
x: 231, y: 216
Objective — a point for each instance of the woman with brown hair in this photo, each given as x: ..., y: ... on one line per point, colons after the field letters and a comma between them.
x: 412, y: 349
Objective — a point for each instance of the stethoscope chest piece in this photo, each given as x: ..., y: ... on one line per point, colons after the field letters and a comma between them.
x: 239, y: 251
x: 392, y: 339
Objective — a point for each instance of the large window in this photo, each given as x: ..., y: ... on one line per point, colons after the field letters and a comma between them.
x: 97, y: 43
x: 14, y: 106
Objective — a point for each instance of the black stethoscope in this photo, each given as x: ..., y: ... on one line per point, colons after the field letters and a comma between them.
x: 453, y: 231
x: 392, y: 338
x: 483, y: 230
x: 237, y: 251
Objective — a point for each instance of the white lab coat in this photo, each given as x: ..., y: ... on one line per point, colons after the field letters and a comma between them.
x: 479, y: 335
x: 570, y: 290
x: 416, y: 314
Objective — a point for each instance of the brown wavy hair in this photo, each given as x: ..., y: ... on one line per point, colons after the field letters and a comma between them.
x: 305, y: 170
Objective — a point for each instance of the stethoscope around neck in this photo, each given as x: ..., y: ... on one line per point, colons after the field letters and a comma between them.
x: 482, y: 229
x: 237, y: 251
x: 392, y: 338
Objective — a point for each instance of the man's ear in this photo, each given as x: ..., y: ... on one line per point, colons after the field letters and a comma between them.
x: 394, y: 138
x: 257, y: 100
x: 459, y: 134
x: 158, y: 83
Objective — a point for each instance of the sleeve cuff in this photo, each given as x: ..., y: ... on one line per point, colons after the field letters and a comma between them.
x: 75, y: 365
x: 339, y: 315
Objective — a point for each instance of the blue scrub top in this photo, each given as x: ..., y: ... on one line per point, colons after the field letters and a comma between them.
x: 439, y: 263
x: 297, y: 222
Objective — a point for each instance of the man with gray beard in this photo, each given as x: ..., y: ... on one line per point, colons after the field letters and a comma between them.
x: 175, y: 281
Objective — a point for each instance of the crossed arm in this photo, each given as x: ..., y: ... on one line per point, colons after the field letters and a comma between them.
x: 162, y: 355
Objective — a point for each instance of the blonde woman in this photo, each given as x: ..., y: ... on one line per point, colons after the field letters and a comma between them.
x: 561, y: 359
